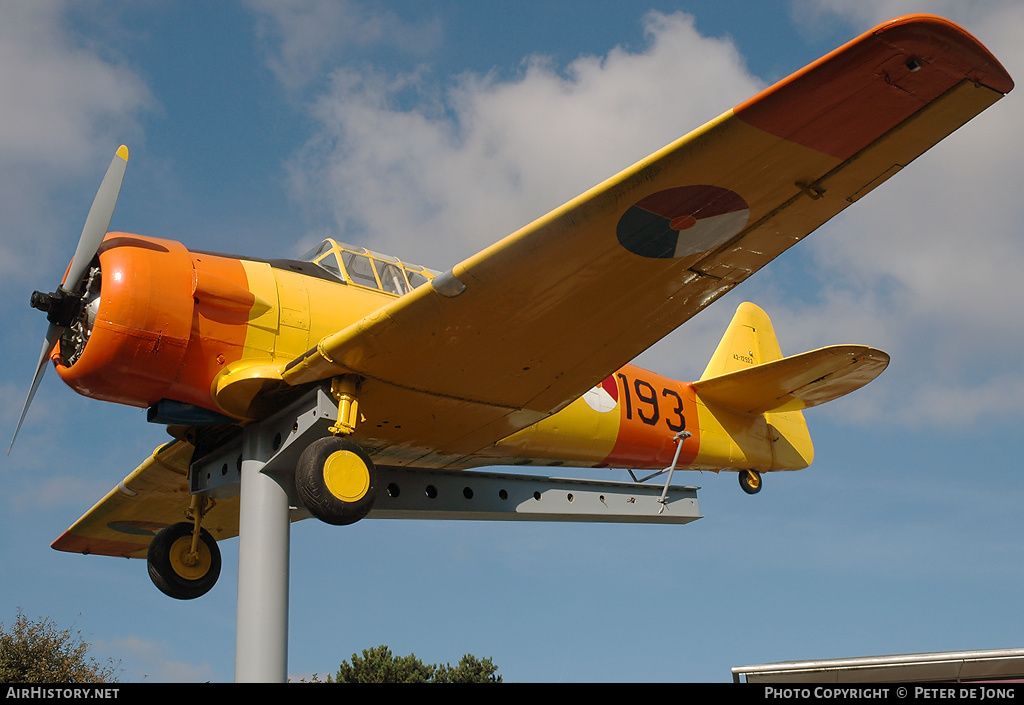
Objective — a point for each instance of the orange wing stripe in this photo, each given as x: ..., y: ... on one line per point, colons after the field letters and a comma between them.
x: 866, y: 87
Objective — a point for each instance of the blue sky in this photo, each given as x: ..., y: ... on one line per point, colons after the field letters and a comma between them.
x: 430, y: 130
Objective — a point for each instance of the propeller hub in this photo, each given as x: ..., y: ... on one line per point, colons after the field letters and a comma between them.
x: 61, y: 307
x: 41, y: 301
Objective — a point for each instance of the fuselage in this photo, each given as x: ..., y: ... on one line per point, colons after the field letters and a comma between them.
x: 208, y: 331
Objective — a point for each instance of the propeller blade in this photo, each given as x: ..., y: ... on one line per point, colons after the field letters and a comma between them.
x: 52, y: 334
x: 98, y: 220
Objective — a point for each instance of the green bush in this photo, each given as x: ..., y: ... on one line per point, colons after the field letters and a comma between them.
x: 379, y: 665
x: 39, y: 652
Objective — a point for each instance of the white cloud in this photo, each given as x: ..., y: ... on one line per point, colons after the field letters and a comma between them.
x: 437, y: 176
x: 308, y: 34
x: 932, y: 260
x: 64, y: 111
x: 926, y: 267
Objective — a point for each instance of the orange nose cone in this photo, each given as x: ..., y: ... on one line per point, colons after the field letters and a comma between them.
x: 142, y: 325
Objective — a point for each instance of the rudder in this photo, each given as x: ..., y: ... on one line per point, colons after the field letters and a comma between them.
x: 749, y: 340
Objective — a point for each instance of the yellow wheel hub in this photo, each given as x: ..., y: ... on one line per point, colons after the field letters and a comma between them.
x: 186, y: 565
x: 753, y: 479
x: 346, y: 476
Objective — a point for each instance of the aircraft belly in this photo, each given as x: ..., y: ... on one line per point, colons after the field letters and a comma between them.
x: 582, y: 434
x: 401, y: 426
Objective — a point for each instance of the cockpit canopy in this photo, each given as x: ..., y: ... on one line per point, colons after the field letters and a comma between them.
x: 362, y: 267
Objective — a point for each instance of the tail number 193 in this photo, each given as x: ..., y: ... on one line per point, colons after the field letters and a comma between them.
x: 648, y: 403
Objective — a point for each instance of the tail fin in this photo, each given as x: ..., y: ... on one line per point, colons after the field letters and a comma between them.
x: 748, y: 375
x: 749, y: 340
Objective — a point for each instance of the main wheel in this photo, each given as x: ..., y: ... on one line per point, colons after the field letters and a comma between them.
x: 174, y: 570
x: 335, y: 480
x: 750, y: 481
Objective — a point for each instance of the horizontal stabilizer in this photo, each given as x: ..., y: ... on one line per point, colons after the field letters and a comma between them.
x: 797, y: 382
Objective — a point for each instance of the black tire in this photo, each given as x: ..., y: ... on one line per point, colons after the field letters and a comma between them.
x: 750, y: 481
x: 168, y: 569
x: 329, y: 500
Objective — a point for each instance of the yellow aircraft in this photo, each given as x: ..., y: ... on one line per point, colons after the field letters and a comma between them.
x: 518, y: 355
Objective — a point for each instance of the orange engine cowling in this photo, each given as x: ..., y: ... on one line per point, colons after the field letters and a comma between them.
x: 138, y: 317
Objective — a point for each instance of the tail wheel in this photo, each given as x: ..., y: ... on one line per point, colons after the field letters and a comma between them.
x: 750, y: 481
x: 335, y: 480
x: 175, y: 570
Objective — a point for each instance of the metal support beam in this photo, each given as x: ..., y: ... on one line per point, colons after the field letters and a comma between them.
x: 416, y: 493
x: 260, y: 465
x: 412, y: 493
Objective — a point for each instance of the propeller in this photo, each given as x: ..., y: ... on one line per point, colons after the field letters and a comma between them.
x: 64, y: 305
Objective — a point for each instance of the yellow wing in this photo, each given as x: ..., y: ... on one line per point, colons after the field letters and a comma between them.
x: 154, y: 495
x: 521, y: 329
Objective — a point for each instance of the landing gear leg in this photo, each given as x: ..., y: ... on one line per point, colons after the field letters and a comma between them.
x: 344, y: 390
x: 335, y: 478
x: 750, y: 481
x: 183, y: 559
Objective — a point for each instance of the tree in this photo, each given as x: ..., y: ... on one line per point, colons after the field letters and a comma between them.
x: 470, y: 670
x: 379, y: 665
x: 39, y: 652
